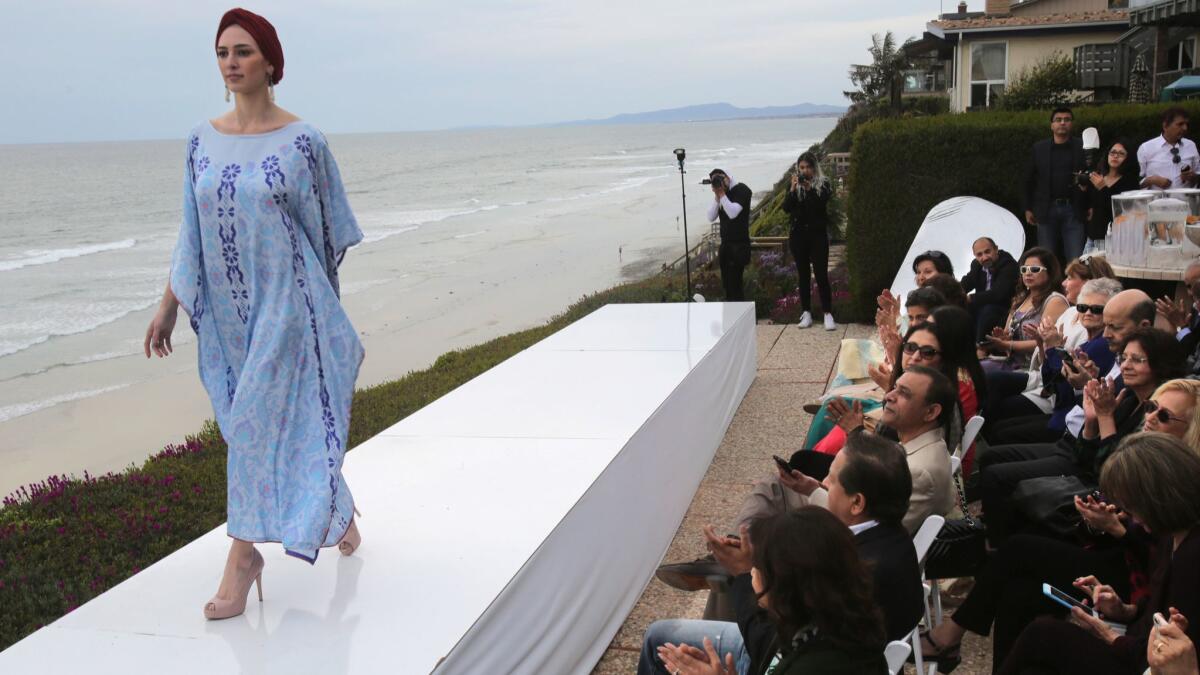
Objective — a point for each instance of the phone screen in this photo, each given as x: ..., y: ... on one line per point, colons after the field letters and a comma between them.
x: 1064, y: 599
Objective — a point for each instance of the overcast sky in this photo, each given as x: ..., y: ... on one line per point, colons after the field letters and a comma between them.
x: 76, y: 70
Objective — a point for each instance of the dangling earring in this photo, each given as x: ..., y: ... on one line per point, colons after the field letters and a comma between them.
x: 227, y: 94
x: 270, y: 88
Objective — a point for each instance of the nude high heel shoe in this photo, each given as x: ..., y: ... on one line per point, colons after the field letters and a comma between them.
x: 224, y: 609
x: 352, y: 538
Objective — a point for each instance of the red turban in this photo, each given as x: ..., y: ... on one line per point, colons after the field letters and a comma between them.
x: 263, y: 33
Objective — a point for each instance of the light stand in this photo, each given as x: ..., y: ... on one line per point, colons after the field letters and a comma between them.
x: 680, y: 154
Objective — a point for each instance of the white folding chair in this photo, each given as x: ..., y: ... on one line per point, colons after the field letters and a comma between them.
x: 896, y: 654
x: 970, y: 431
x: 922, y: 540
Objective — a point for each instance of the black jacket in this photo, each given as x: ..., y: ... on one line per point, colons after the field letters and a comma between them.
x: 1037, y: 180
x: 809, y: 213
x: 736, y: 230
x: 1101, y: 203
x: 1004, y: 281
x: 896, y: 580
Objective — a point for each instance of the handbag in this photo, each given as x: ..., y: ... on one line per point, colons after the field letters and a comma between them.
x: 958, y: 550
x: 1049, y: 502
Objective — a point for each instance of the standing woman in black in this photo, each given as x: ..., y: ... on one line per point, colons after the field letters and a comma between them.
x: 806, y: 204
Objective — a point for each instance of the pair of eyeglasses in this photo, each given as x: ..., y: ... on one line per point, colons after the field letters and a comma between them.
x: 1132, y: 358
x: 1175, y: 155
x: 1117, y: 153
x: 1160, y: 413
x: 925, y: 351
x: 1098, y: 310
x: 1032, y: 269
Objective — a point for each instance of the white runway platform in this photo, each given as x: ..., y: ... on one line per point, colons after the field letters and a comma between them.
x: 509, y: 527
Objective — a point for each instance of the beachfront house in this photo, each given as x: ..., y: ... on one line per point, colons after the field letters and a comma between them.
x: 988, y: 48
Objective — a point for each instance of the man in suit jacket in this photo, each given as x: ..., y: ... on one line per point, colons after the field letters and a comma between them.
x: 991, y: 283
x: 868, y: 488
x: 1054, y: 204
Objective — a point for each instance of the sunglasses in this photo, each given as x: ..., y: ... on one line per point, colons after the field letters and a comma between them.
x: 1098, y: 310
x: 925, y: 351
x: 1032, y: 269
x: 1161, y: 414
x: 1175, y: 155
x: 1132, y: 358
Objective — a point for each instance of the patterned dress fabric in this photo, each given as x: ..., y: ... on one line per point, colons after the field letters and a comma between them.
x: 265, y: 225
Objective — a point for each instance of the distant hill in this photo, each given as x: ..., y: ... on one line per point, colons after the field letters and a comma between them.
x: 715, y: 111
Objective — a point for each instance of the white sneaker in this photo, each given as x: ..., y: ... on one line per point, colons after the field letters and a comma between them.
x: 805, y: 320
x: 829, y: 324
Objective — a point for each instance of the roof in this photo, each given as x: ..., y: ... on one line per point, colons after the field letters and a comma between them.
x: 1035, y: 21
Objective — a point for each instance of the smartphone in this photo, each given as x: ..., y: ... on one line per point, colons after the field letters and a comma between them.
x: 1069, y: 361
x: 1159, y: 619
x: 783, y: 464
x: 1098, y: 496
x: 1064, y: 599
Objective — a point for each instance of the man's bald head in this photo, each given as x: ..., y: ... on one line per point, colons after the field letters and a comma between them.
x: 1124, y: 313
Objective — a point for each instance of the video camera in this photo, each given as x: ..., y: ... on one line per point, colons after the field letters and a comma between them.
x: 718, y: 180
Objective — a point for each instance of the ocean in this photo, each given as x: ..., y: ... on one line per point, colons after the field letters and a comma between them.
x: 88, y: 229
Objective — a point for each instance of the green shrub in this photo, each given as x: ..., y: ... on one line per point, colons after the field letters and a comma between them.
x: 1048, y: 83
x: 901, y: 168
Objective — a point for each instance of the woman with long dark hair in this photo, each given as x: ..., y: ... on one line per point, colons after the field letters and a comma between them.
x: 805, y: 607
x: 1116, y: 172
x: 266, y: 223
x: 806, y: 204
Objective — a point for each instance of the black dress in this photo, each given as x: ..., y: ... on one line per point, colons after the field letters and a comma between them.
x: 1100, y: 201
x: 809, y: 240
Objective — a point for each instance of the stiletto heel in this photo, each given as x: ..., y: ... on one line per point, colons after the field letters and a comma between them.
x: 218, y: 608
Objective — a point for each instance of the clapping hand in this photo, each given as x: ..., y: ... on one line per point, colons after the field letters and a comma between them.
x: 1099, y: 393
x: 688, y: 660
x: 1100, y: 517
x: 735, y: 555
x: 1176, y: 313
x: 848, y: 416
x: 1049, y: 336
x: 881, y: 374
x: 1169, y: 650
x: 1097, y: 180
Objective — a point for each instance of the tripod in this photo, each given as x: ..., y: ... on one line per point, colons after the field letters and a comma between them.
x: 680, y: 154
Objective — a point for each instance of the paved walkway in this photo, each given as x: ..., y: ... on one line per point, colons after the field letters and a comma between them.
x: 794, y: 367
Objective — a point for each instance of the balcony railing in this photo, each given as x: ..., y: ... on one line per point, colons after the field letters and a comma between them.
x: 1102, y: 66
x: 924, y: 81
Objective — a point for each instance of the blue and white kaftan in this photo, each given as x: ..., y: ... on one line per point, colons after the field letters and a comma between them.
x: 265, y: 224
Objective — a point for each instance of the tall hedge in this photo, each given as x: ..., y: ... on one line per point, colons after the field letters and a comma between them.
x: 901, y: 168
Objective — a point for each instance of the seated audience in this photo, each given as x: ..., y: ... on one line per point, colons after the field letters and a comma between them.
x: 930, y: 263
x: 1149, y: 358
x: 804, y: 604
x: 1008, y: 592
x: 1039, y: 416
x: 991, y: 283
x: 1038, y: 299
x: 869, y: 487
x: 1153, y: 478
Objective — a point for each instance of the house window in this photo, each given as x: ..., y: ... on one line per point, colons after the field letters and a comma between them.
x: 989, y: 72
x: 1183, y: 55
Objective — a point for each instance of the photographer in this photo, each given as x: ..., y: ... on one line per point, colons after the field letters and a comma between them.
x: 731, y: 205
x: 805, y: 204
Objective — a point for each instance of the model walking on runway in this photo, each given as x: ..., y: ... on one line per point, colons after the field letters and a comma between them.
x: 265, y: 224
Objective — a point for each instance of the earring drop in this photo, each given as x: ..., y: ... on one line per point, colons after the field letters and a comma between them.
x: 227, y: 94
x: 271, y: 91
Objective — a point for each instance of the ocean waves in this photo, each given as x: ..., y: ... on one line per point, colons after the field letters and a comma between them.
x: 39, y: 257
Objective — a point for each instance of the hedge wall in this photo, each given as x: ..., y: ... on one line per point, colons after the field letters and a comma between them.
x: 902, y: 168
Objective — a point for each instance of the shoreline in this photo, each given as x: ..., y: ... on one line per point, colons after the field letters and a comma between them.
x: 124, y: 426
